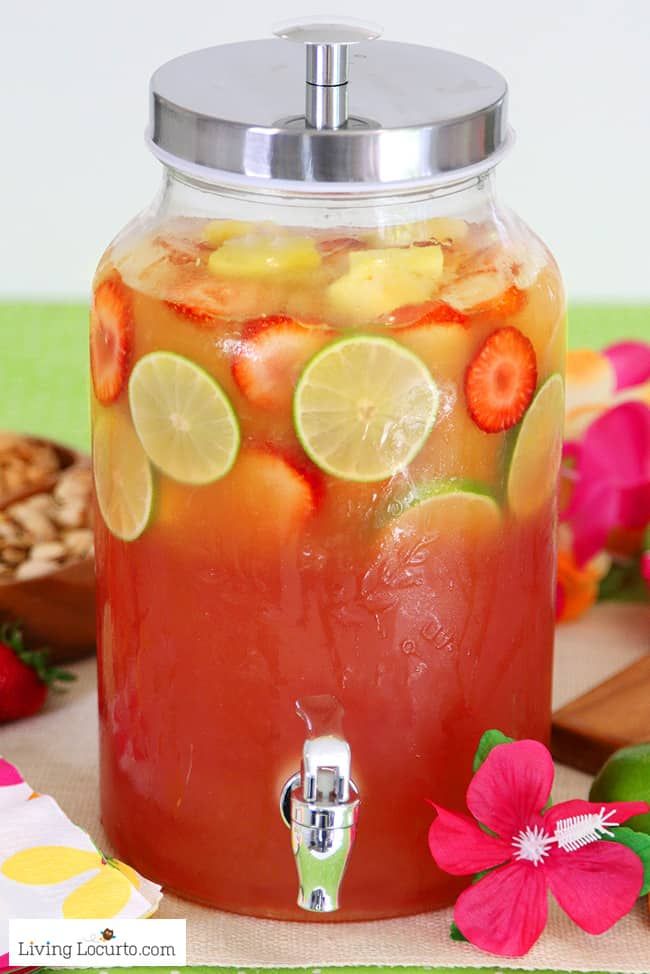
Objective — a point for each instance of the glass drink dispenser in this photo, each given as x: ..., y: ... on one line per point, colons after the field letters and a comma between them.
x: 327, y: 409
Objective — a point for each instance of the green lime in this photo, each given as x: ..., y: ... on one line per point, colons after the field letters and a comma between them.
x: 625, y: 777
x: 123, y: 478
x: 460, y: 508
x: 183, y: 418
x: 535, y: 460
x: 363, y: 407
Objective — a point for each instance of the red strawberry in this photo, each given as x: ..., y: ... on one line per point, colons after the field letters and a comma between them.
x: 24, y: 677
x: 428, y: 313
x: 272, y: 354
x: 260, y: 506
x: 280, y: 481
x: 508, y: 303
x: 203, y: 316
x: 340, y: 245
x: 208, y: 303
x: 501, y: 379
x: 183, y: 250
x: 111, y: 336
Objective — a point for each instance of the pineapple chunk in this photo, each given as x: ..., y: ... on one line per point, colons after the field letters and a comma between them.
x: 262, y: 258
x: 379, y: 281
x: 218, y: 231
x: 444, y: 230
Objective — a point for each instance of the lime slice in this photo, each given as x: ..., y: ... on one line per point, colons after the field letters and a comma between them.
x: 123, y: 478
x: 183, y: 418
x: 363, y: 407
x: 535, y: 461
x: 461, y: 509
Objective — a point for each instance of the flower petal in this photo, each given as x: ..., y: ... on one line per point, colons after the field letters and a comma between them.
x: 590, y: 378
x: 505, y: 912
x: 9, y: 775
x: 634, y: 505
x: 105, y: 895
x: 511, y: 786
x: 596, y: 885
x: 593, y: 513
x: 461, y: 848
x: 631, y: 363
x: 44, y: 864
x: 578, y: 806
x: 616, y: 447
x: 578, y: 585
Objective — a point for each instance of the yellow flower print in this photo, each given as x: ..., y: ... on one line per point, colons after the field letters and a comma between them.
x: 104, y: 895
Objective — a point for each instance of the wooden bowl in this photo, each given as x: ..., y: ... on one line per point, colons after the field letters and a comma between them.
x: 57, y: 610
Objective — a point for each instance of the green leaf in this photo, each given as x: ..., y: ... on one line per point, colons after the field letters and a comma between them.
x: 13, y: 637
x: 624, y: 583
x: 456, y: 934
x: 489, y: 740
x: 485, y: 872
x: 638, y: 842
x: 37, y: 659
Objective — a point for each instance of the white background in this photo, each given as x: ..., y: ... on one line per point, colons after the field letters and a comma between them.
x: 73, y: 103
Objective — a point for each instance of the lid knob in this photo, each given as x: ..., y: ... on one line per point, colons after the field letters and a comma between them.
x: 328, y: 66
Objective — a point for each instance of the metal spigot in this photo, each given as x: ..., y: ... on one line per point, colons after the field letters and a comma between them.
x: 321, y: 807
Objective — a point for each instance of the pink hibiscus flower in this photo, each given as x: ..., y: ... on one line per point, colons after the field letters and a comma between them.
x: 505, y: 912
x: 611, y: 478
x: 631, y: 363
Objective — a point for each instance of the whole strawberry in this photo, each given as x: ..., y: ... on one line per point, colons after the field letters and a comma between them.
x: 25, y: 676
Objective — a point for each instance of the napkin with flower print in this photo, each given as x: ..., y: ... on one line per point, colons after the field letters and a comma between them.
x: 49, y: 867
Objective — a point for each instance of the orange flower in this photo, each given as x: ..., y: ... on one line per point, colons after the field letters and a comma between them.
x: 577, y: 586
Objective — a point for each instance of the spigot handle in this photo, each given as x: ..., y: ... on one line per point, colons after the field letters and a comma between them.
x: 326, y: 765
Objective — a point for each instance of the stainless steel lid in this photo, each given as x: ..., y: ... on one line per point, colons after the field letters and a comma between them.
x: 336, y: 112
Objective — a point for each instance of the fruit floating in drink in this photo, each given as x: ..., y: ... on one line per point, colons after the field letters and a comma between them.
x: 326, y: 444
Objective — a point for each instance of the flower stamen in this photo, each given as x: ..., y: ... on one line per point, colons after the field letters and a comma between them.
x: 532, y: 844
x: 578, y: 831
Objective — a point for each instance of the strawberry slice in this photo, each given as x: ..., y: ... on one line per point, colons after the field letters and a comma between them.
x: 260, y: 506
x: 111, y: 338
x: 507, y: 304
x: 272, y: 480
x: 198, y: 300
x: 182, y: 251
x: 201, y: 315
x: 427, y: 313
x: 501, y: 379
x: 271, y: 356
x: 340, y: 245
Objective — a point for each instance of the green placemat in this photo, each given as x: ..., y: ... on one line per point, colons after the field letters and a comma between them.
x: 597, y: 325
x: 44, y: 369
x: 44, y: 354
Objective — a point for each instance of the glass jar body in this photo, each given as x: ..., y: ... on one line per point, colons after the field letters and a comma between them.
x: 419, y: 597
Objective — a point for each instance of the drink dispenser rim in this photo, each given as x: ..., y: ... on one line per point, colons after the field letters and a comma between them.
x: 275, y: 117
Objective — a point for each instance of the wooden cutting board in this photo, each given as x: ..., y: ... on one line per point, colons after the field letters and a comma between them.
x: 612, y: 715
